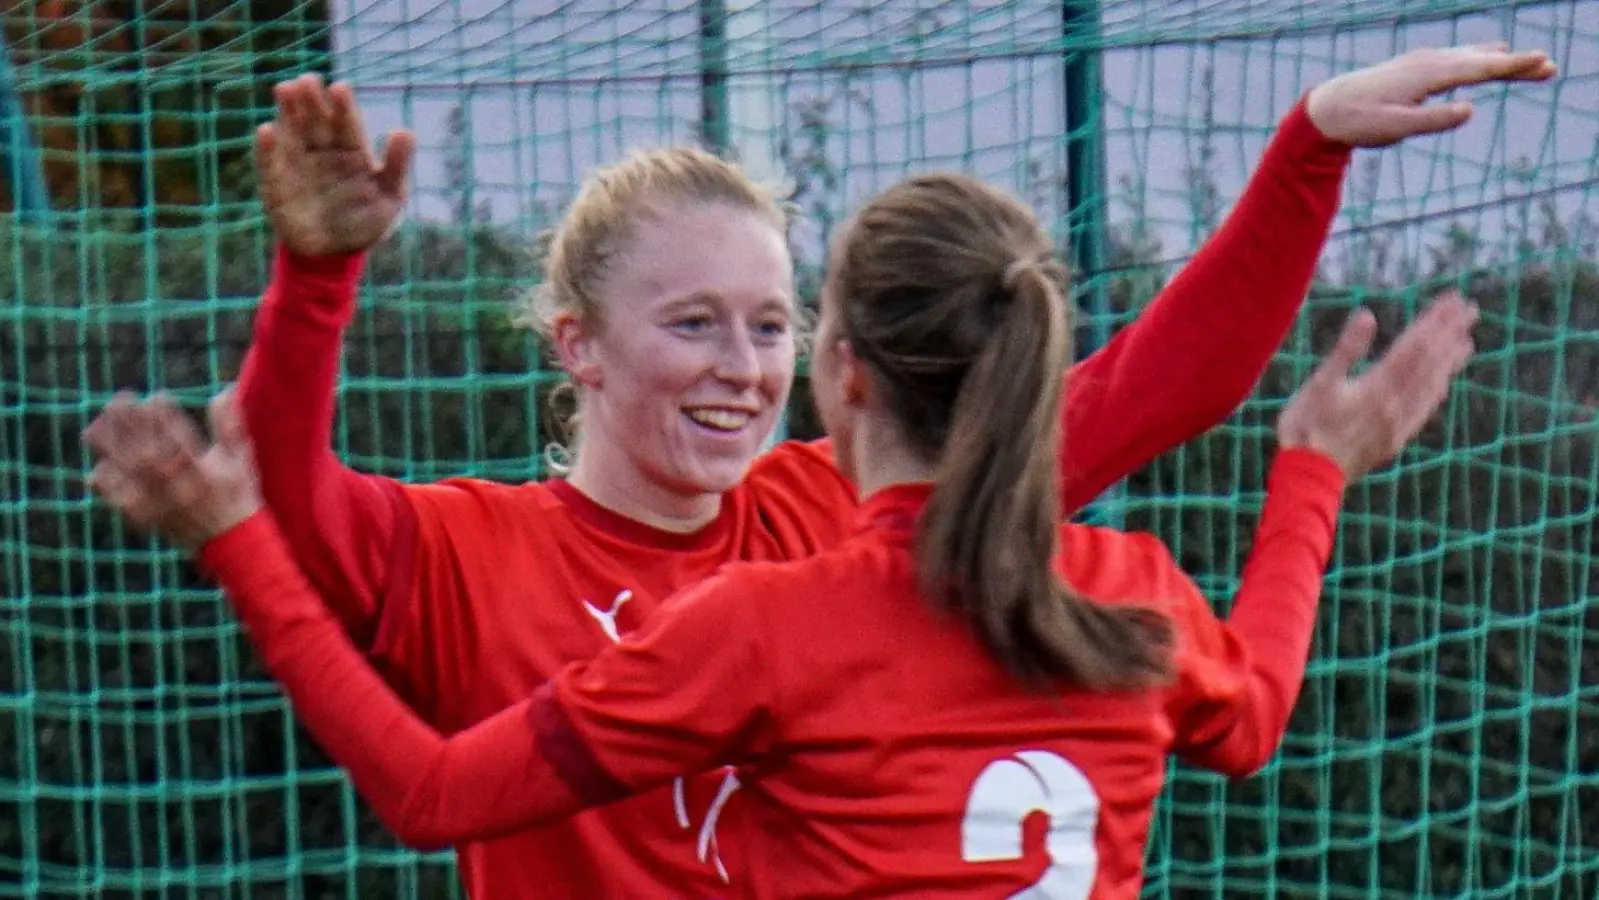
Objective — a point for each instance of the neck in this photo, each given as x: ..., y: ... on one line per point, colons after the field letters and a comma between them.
x: 882, y: 458
x: 619, y: 486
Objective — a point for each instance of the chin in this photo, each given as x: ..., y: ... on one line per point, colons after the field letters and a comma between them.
x: 721, y: 478
x: 716, y: 475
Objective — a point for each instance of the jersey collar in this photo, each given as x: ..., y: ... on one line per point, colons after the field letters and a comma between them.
x: 896, y: 507
x: 633, y: 531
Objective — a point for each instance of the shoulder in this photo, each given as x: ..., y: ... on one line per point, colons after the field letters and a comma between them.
x: 474, y: 507
x: 799, y: 496
x: 1117, y: 562
x: 783, y: 589
x: 799, y: 466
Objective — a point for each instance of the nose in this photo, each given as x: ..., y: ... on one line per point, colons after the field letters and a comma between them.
x: 739, y: 364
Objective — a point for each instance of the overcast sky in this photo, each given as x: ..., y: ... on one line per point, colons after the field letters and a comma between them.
x: 552, y: 88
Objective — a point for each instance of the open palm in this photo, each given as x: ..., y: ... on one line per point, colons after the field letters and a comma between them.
x: 1364, y: 421
x: 1383, y: 104
x: 159, y: 472
x: 324, y: 190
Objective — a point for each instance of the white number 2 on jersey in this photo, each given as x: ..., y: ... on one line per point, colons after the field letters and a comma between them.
x: 1006, y: 792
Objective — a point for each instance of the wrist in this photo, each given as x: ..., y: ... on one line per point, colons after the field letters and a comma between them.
x: 339, y: 268
x: 1307, y: 117
x: 1301, y: 449
x: 1313, y: 463
x: 229, y: 538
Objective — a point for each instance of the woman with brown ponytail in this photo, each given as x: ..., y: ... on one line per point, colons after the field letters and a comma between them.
x: 903, y: 706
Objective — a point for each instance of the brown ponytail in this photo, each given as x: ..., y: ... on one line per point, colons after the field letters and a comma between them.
x: 950, y: 295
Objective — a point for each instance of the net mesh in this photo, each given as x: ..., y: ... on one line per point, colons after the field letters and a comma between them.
x: 1447, y: 742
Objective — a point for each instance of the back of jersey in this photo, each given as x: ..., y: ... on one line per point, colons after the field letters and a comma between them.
x: 910, y: 763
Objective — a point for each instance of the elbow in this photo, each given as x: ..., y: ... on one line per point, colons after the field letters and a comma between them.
x: 428, y: 835
x: 1245, y: 765
x: 428, y: 820
x: 1229, y: 393
x: 421, y: 832
x: 1238, y: 754
x: 1205, y: 412
x: 423, y: 839
x: 424, y: 836
x: 1217, y: 388
x: 417, y: 818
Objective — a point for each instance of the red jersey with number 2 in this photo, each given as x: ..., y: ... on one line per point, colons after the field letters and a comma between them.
x: 885, y: 752
x: 882, y: 750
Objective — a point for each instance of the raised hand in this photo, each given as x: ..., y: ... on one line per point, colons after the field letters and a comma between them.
x: 1383, y: 104
x: 155, y: 468
x: 324, y: 190
x: 1363, y: 421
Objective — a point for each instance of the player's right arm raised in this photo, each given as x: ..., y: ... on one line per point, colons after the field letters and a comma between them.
x: 1239, y: 679
x: 329, y: 199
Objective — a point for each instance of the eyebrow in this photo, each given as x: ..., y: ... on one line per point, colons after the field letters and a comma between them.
x: 783, y: 304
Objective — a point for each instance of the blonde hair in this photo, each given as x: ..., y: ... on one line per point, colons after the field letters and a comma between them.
x: 601, y: 222
x: 583, y: 250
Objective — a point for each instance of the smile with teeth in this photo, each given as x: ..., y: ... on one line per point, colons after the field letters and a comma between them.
x: 720, y: 419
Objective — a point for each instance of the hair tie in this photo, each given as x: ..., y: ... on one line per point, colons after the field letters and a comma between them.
x: 1013, y: 272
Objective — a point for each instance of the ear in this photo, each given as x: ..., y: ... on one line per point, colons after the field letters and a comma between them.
x: 855, y: 380
x: 575, y: 344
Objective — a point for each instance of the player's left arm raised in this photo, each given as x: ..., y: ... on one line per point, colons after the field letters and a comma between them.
x: 1200, y: 348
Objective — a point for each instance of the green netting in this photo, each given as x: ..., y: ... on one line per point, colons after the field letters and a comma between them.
x: 1447, y: 744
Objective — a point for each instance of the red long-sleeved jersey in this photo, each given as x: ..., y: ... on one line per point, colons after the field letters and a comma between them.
x: 467, y: 594
x: 883, y: 751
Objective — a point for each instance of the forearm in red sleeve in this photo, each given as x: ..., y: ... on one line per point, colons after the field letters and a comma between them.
x: 1274, y: 613
x: 1198, y: 351
x: 340, y: 524
x: 432, y: 792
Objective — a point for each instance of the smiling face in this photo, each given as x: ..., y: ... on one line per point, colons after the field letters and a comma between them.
x: 689, y: 366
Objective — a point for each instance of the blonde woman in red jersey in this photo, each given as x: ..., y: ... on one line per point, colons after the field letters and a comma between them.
x: 901, y: 705
x: 668, y: 299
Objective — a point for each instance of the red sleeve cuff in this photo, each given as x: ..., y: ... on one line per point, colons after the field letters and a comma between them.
x: 1305, y: 464
x: 338, y: 268
x: 567, y: 753
x: 322, y: 288
x: 1300, y: 137
x: 235, y: 547
x: 1309, y: 477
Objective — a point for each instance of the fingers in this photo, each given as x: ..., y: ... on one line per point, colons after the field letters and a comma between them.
x: 319, y: 109
x: 291, y: 115
x: 306, y: 113
x: 107, y: 435
x: 175, y: 440
x: 349, y: 133
x: 1452, y: 343
x: 266, y: 154
x: 227, y: 425
x: 113, y: 485
x: 1441, y: 117
x: 397, y: 156
x: 1414, y: 375
x: 1353, y: 343
x: 124, y: 494
x: 1463, y: 67
x: 151, y: 438
x: 155, y: 465
x: 1544, y: 71
x: 1415, y: 349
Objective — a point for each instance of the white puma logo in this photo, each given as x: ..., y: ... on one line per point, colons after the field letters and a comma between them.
x: 607, y: 618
